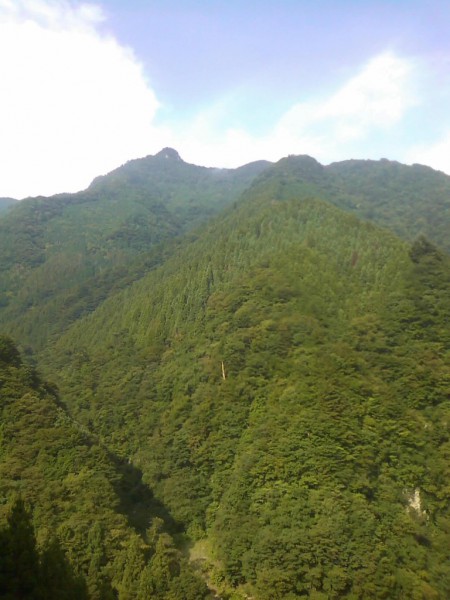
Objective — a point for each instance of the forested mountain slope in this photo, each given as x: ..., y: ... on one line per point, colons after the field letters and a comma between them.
x: 409, y: 200
x: 283, y: 383
x: 280, y: 375
x: 82, y: 498
x: 61, y: 256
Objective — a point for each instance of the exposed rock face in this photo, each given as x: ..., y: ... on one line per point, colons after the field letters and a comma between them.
x: 415, y: 503
x: 169, y: 153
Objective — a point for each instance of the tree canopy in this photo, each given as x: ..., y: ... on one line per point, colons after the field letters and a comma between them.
x: 265, y: 391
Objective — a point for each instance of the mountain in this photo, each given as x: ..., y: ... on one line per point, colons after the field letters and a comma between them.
x: 274, y: 365
x: 409, y: 200
x: 61, y: 256
x: 282, y: 382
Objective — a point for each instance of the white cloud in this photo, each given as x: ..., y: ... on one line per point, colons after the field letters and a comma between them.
x: 328, y: 128
x: 73, y: 102
x: 436, y: 155
x: 377, y: 97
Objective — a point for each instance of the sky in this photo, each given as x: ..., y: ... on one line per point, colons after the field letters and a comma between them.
x: 87, y: 86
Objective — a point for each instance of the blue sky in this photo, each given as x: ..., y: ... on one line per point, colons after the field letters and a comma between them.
x: 86, y: 86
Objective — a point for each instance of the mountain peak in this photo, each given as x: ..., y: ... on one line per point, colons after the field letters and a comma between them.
x: 168, y: 153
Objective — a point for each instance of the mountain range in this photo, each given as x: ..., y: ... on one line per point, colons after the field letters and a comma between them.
x: 250, y: 378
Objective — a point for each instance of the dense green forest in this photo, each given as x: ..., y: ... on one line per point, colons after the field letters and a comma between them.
x: 411, y: 201
x: 267, y: 393
x: 96, y: 525
x: 61, y: 256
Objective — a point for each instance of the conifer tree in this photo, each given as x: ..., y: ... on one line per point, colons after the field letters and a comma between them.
x: 19, y: 560
x: 58, y: 579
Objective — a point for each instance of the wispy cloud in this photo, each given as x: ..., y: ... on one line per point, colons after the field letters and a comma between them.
x: 375, y: 98
x: 52, y: 13
x: 328, y: 127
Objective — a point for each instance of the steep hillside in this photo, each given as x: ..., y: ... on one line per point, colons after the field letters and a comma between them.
x: 61, y: 256
x: 410, y: 201
x: 282, y: 382
x: 81, y: 495
x: 279, y: 374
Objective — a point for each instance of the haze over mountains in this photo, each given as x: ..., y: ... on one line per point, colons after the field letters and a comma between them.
x: 267, y: 346
x: 6, y: 202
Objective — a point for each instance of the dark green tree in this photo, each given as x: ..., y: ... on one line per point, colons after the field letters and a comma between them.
x: 57, y: 576
x: 25, y: 573
x: 19, y: 559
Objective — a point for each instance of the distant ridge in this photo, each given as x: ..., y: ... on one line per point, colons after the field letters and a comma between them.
x: 409, y: 200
